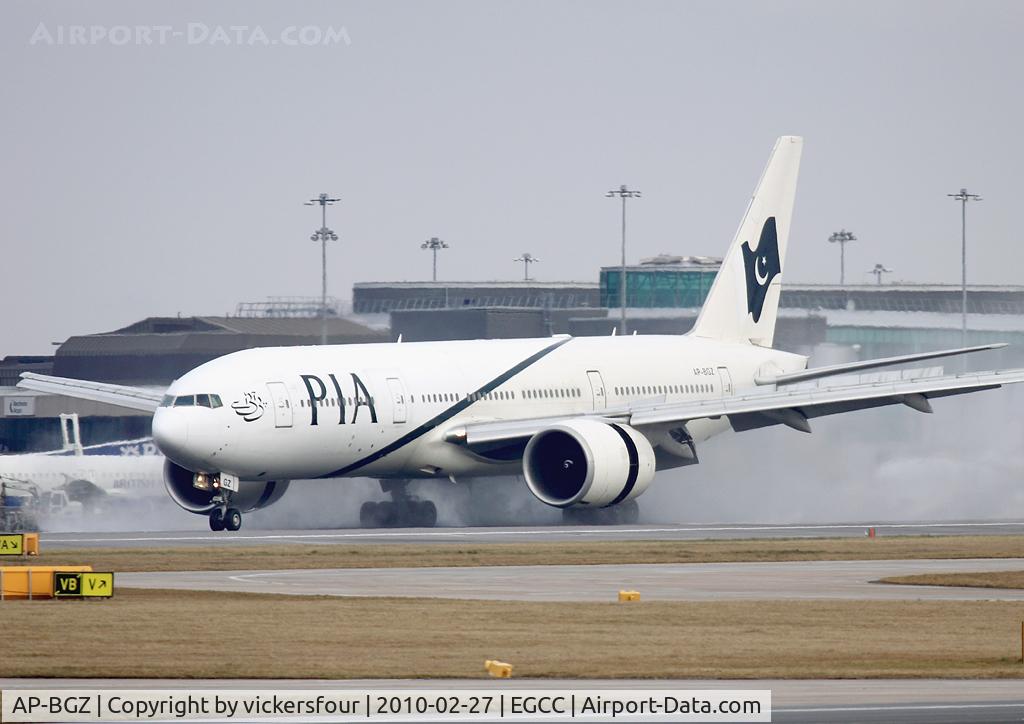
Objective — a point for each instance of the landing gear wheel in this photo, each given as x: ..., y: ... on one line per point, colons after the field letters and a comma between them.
x: 403, y: 510
x: 216, y: 519
x: 232, y: 519
x: 426, y: 514
x: 575, y: 516
x: 627, y: 513
x: 371, y: 514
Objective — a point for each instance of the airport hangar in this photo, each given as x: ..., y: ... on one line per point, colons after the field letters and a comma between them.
x: 829, y: 322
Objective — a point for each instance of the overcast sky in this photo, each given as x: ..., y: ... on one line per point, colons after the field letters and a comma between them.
x: 151, y: 179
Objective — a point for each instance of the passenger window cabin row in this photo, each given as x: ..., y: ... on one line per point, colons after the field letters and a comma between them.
x: 693, y: 389
x: 333, y: 402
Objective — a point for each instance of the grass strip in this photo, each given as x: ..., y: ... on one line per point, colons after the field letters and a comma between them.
x: 415, y: 555
x: 185, y: 634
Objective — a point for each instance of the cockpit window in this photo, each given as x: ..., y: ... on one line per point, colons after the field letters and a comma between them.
x: 201, y: 400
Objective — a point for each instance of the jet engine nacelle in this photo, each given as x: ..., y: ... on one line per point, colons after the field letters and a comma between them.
x: 251, y: 494
x: 585, y: 462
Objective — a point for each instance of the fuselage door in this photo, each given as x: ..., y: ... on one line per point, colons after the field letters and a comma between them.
x: 597, y: 389
x: 726, y: 381
x: 398, y: 400
x: 282, y: 404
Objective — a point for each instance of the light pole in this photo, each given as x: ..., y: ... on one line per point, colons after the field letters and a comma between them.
x: 527, y: 258
x: 878, y: 271
x: 842, y: 237
x: 623, y: 193
x: 435, y: 245
x: 963, y: 197
x: 323, y: 235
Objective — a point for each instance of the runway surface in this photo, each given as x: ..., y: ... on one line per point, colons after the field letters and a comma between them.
x: 523, y: 534
x: 673, y: 582
x: 871, y: 700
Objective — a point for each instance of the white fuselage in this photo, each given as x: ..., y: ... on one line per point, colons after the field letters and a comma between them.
x: 382, y: 410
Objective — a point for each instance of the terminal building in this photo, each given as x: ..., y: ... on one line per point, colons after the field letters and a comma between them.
x: 660, y: 282
x: 157, y: 350
x: 369, y: 298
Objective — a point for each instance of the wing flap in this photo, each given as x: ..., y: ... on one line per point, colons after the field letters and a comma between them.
x: 135, y: 398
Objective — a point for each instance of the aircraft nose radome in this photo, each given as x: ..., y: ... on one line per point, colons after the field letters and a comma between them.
x: 170, y: 432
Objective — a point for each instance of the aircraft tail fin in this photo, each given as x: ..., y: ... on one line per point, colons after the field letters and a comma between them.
x: 744, y: 300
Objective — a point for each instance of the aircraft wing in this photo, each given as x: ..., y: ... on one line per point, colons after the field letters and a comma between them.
x: 792, y: 406
x: 135, y: 398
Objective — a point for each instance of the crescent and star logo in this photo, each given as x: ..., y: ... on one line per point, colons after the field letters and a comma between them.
x: 250, y: 408
x: 762, y: 265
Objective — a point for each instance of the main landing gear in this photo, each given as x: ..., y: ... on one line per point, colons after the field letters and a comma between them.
x: 402, y: 511
x: 225, y: 519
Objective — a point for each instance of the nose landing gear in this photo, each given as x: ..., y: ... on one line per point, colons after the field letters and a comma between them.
x: 225, y: 519
x: 402, y: 511
x: 224, y: 516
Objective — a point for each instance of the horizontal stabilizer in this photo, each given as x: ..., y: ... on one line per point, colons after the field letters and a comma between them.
x: 841, y: 369
x: 134, y: 398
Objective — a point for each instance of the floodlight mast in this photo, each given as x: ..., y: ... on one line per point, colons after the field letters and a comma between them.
x: 878, y: 271
x: 323, y: 235
x: 435, y: 245
x: 842, y: 237
x: 624, y: 193
x: 527, y: 258
x: 963, y: 197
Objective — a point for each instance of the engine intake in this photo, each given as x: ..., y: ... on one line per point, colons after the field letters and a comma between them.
x: 251, y: 494
x: 585, y: 462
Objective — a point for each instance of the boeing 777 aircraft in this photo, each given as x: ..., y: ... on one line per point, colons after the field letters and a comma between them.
x: 587, y: 421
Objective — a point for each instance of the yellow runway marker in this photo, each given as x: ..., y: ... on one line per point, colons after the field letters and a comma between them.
x: 498, y: 669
